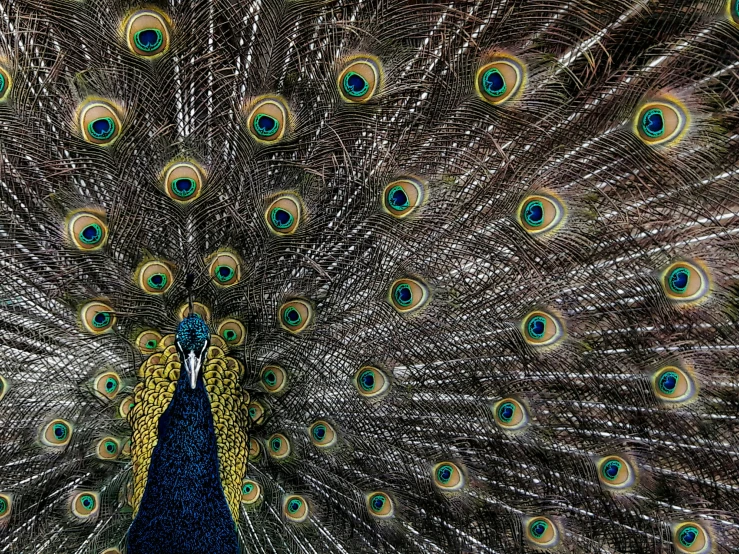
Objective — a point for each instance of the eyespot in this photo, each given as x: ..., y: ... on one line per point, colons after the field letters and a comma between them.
x: 371, y: 382
x: 154, y: 277
x: 542, y: 532
x: 87, y: 231
x: 255, y: 450
x: 732, y: 10
x: 685, y: 282
x: 99, y: 122
x: 3, y: 387
x: 251, y: 492
x: 279, y: 446
x: 6, y: 83
x: 400, y: 198
x: 616, y: 473
x: 380, y: 505
x: 273, y: 378
x: 232, y: 331
x: 200, y: 309
x: 295, y: 508
x: 97, y: 317
x: 691, y: 537
x: 108, y: 449
x: 359, y: 80
x: 148, y: 342
x: 85, y: 505
x: 296, y: 315
x: 6, y: 505
x: 500, y: 80
x: 408, y: 295
x: 661, y: 122
x: 268, y: 119
x: 448, y: 477
x: 540, y: 213
x: 183, y: 181
x: 542, y: 329
x: 126, y: 406
x: 147, y: 33
x: 283, y: 215
x: 256, y: 413
x: 673, y: 385
x: 57, y: 433
x: 322, y: 434
x: 107, y: 385
x: 510, y: 414
x: 225, y: 269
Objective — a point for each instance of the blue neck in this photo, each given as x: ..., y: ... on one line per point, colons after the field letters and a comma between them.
x: 184, y: 510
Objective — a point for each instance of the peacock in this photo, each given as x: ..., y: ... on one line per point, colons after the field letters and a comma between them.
x: 363, y: 276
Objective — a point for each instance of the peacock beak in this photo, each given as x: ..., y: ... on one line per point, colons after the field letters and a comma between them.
x: 192, y: 366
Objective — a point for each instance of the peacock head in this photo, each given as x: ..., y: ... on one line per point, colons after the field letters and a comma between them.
x: 192, y: 340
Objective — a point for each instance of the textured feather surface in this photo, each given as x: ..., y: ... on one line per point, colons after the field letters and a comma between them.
x: 632, y: 210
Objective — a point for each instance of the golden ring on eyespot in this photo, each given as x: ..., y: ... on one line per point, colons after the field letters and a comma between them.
x: 283, y: 214
x: 501, y: 79
x: 111, y: 551
x: 278, y: 446
x: 108, y: 448
x: 401, y: 197
x: 268, y: 119
x: 154, y: 277
x: 99, y: 122
x: 6, y: 505
x: 448, y: 476
x: 615, y: 472
x: 200, y: 309
x: 126, y: 406
x: 685, y: 282
x: 4, y: 386
x: 542, y: 532
x: 224, y: 269
x: 57, y: 432
x: 6, y: 83
x: 107, y: 385
x: 295, y: 315
x: 510, y: 414
x: 255, y: 450
x: 540, y: 213
x: 295, y: 508
x: 371, y: 382
x: 183, y: 181
x: 408, y: 295
x: 661, y: 121
x: 97, y: 317
x: 359, y: 80
x: 87, y: 231
x: 232, y: 331
x: 148, y: 341
x: 322, y: 434
x: 380, y: 505
x: 86, y: 504
x: 147, y: 33
x: 691, y: 538
x: 540, y: 328
x: 251, y: 492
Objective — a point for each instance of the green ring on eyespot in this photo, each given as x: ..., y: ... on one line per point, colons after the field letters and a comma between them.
x: 664, y: 378
x: 110, y: 447
x: 398, y: 294
x: 246, y: 488
x: 252, y: 413
x: 609, y: 464
x: 275, y: 444
x: 276, y: 222
x: 363, y: 384
x: 270, y: 378
x: 148, y: 47
x: 151, y: 344
x: 531, y: 326
x: 96, y: 237
x: 105, y: 135
x: 319, y: 432
x: 502, y: 410
x: 537, y: 528
x: 111, y: 385
x: 101, y: 319
x: 3, y: 506
x: 677, y: 274
x: 294, y: 505
x: 645, y: 123
x: 527, y: 215
x: 688, y: 536
x: 262, y: 131
x: 349, y: 89
x: 230, y: 335
x: 495, y: 93
x: 292, y: 322
x: 2, y: 85
x: 162, y: 281
x: 377, y: 503
x: 87, y: 501
x: 60, y: 431
x: 224, y: 277
x: 183, y: 193
x: 444, y: 473
x: 391, y: 199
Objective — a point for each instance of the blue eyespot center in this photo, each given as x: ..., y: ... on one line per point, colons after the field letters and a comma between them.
x: 224, y: 273
x: 246, y: 488
x: 3, y: 506
x: 377, y: 503
x: 294, y: 505
x: 101, y: 128
x: 292, y: 316
x: 276, y: 444
x: 403, y: 294
x: 87, y: 501
x: 148, y: 40
x: 493, y: 82
x: 111, y: 447
x: 157, y: 281
x: 101, y: 319
x: 397, y: 199
x: 538, y: 527
x: 533, y: 213
x: 367, y: 380
x: 653, y: 123
x: 111, y: 384
x: 60, y: 431
x: 444, y: 473
x: 184, y: 186
x: 506, y: 411
x: 265, y: 125
x: 611, y: 469
x: 678, y: 280
x: 91, y: 234
x: 668, y: 382
x: 230, y: 335
x: 536, y: 327
x: 281, y: 218
x: 151, y: 344
x: 688, y: 536
x: 270, y: 378
x: 319, y: 432
x: 252, y: 413
x: 355, y: 85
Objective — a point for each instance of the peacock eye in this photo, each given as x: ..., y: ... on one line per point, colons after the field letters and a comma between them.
x: 108, y: 449
x: 408, y: 295
x: 273, y: 378
x: 255, y: 450
x: 147, y: 33
x: 6, y: 82
x: 148, y: 341
x: 6, y: 505
x: 251, y: 492
x: 107, y: 385
x: 295, y: 508
x: 673, y: 385
x: 85, y: 505
x: 500, y: 80
x: 200, y: 309
x: 295, y: 315
x: 510, y: 414
x: 99, y: 122
x: 691, y: 537
x: 256, y: 412
x: 154, y: 277
x: 232, y: 331
x: 283, y: 214
x: 685, y: 282
x: 380, y: 505
x: 542, y: 532
x: 359, y: 80
x: 225, y: 269
x: 279, y: 446
x: 57, y: 433
x: 322, y: 434
x: 615, y: 472
x: 97, y: 317
x: 732, y: 8
x: 400, y: 198
x: 268, y: 119
x: 542, y: 329
x: 126, y: 406
x: 183, y: 181
x: 448, y: 477
x: 371, y: 382
x: 661, y: 122
x: 87, y: 231
x: 540, y: 213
